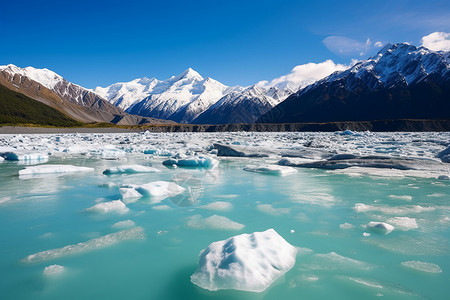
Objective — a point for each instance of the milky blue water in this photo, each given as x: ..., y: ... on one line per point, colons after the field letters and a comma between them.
x: 315, y: 210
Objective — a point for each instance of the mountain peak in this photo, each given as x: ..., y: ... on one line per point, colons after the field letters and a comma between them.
x: 189, y: 74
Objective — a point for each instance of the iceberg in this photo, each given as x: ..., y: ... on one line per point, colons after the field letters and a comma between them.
x: 160, y: 189
x: 247, y: 262
x: 130, y: 169
x: 50, y: 169
x: 193, y: 162
x: 380, y: 227
x: 271, y: 170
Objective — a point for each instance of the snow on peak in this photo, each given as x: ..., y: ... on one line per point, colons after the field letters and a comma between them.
x: 189, y: 74
x: 47, y: 78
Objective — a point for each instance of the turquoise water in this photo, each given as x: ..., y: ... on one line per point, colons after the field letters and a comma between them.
x: 315, y: 210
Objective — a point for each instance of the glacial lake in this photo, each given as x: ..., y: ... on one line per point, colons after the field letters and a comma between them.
x: 66, y: 235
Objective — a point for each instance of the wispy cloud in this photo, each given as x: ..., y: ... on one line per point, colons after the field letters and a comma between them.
x: 344, y: 46
x: 303, y: 75
x: 437, y: 41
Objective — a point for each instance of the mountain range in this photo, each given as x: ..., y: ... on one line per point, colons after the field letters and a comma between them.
x: 401, y: 81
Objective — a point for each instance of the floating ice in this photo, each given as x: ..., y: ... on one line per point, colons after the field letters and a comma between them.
x: 396, y: 210
x: 129, y: 194
x: 403, y: 223
x: 130, y: 169
x: 50, y: 169
x: 115, y: 206
x: 111, y: 152
x: 161, y: 207
x: 223, y: 150
x: 160, y: 189
x: 24, y: 156
x: 334, y: 261
x: 346, y: 132
x: 214, y: 222
x: 444, y: 155
x: 269, y: 209
x: 443, y: 177
x: 271, y: 170
x: 1, y: 158
x: 124, y: 224
x: 401, y: 197
x: 53, y: 270
x: 247, y: 262
x: 218, y: 205
x: 193, y: 162
x: 380, y: 227
x: 100, y: 242
x: 422, y: 266
x: 346, y: 226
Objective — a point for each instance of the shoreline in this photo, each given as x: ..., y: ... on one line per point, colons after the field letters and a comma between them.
x: 375, y: 126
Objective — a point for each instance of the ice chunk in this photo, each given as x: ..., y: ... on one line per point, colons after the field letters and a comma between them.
x: 346, y: 226
x: 397, y: 210
x: 218, y: 205
x: 115, y: 206
x: 346, y: 132
x: 53, y: 270
x: 50, y: 169
x: 443, y: 177
x: 444, y: 155
x: 403, y: 223
x: 271, y: 170
x: 223, y: 150
x: 124, y: 224
x: 401, y: 197
x: 160, y: 189
x: 1, y: 158
x: 24, y: 156
x: 247, y: 262
x: 111, y: 152
x: 195, y: 162
x: 422, y: 266
x: 97, y: 243
x: 129, y: 195
x: 380, y: 227
x: 130, y: 169
x: 214, y: 222
x: 269, y: 209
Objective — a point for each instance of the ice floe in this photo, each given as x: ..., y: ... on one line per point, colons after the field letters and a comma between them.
x: 213, y: 222
x: 130, y: 169
x: 96, y: 243
x: 269, y: 209
x: 422, y: 266
x: 392, y: 210
x: 53, y: 270
x: 25, y: 156
x: 53, y: 169
x: 160, y: 189
x: 247, y: 262
x: 115, y: 206
x: 124, y: 224
x: 403, y: 223
x: 218, y: 206
x: 271, y: 170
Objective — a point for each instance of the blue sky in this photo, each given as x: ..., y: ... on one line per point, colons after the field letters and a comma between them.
x: 236, y: 42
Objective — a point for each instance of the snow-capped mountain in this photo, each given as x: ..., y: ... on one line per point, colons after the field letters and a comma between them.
x: 185, y: 97
x: 400, y: 81
x: 180, y: 98
x: 73, y: 100
x: 241, y: 106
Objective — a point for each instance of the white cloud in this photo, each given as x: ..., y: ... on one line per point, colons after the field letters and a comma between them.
x: 303, y: 75
x: 378, y: 44
x: 437, y: 41
x: 345, y: 46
